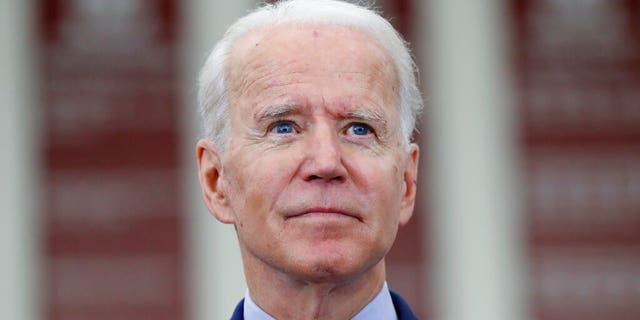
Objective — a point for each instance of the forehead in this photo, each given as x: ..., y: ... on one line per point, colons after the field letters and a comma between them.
x: 289, y: 52
x: 305, y: 36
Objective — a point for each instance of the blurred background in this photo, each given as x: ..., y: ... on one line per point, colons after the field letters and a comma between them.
x: 529, y: 190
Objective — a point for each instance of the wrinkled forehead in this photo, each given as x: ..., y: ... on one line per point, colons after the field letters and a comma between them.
x: 282, y: 33
x: 302, y: 46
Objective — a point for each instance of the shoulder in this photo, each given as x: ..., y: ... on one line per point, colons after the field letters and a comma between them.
x: 402, y: 307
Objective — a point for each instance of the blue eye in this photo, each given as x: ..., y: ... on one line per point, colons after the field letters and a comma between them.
x: 359, y: 129
x: 283, y: 128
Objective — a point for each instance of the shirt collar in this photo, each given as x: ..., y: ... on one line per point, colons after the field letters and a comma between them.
x: 381, y: 307
x: 252, y: 311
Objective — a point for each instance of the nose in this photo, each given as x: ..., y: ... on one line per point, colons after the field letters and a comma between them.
x: 323, y: 157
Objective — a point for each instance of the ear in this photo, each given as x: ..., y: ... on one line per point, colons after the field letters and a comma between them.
x: 212, y: 182
x: 409, y: 185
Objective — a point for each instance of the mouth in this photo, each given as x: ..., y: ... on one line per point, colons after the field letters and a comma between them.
x: 324, y: 213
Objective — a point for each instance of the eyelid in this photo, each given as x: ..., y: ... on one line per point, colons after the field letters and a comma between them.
x: 361, y: 123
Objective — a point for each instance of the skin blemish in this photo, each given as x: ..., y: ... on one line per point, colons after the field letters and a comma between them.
x: 342, y: 105
x: 315, y: 33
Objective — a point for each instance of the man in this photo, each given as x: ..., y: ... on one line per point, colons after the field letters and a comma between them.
x: 309, y: 107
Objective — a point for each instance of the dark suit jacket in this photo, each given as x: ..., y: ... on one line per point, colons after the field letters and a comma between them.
x: 402, y: 309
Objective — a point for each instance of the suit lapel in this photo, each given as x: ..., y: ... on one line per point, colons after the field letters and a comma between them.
x: 402, y: 307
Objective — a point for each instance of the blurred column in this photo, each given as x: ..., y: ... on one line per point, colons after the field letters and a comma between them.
x: 19, y: 196
x: 472, y: 152
x: 215, y: 271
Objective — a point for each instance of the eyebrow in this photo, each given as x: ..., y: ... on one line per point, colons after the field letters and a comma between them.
x: 277, y: 111
x: 366, y: 116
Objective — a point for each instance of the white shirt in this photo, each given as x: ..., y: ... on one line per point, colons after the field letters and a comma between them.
x: 381, y: 307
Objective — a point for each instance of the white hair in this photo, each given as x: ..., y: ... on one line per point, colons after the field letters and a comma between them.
x: 212, y: 93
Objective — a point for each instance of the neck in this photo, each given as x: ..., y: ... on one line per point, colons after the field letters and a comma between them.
x: 285, y: 297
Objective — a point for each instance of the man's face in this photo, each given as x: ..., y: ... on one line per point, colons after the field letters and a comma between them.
x: 315, y: 177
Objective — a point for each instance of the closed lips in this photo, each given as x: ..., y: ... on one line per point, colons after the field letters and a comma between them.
x: 324, y: 212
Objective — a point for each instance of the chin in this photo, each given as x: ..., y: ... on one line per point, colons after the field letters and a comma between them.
x: 325, y: 273
x: 332, y: 267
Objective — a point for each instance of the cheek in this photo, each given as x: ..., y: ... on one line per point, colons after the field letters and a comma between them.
x: 381, y: 178
x: 381, y: 185
x: 256, y: 182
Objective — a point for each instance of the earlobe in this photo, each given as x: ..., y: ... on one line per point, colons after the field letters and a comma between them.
x: 210, y: 175
x: 409, y: 185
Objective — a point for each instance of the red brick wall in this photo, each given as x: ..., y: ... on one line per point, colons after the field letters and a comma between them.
x: 112, y: 232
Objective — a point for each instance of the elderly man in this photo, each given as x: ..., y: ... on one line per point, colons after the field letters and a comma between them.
x: 309, y: 108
